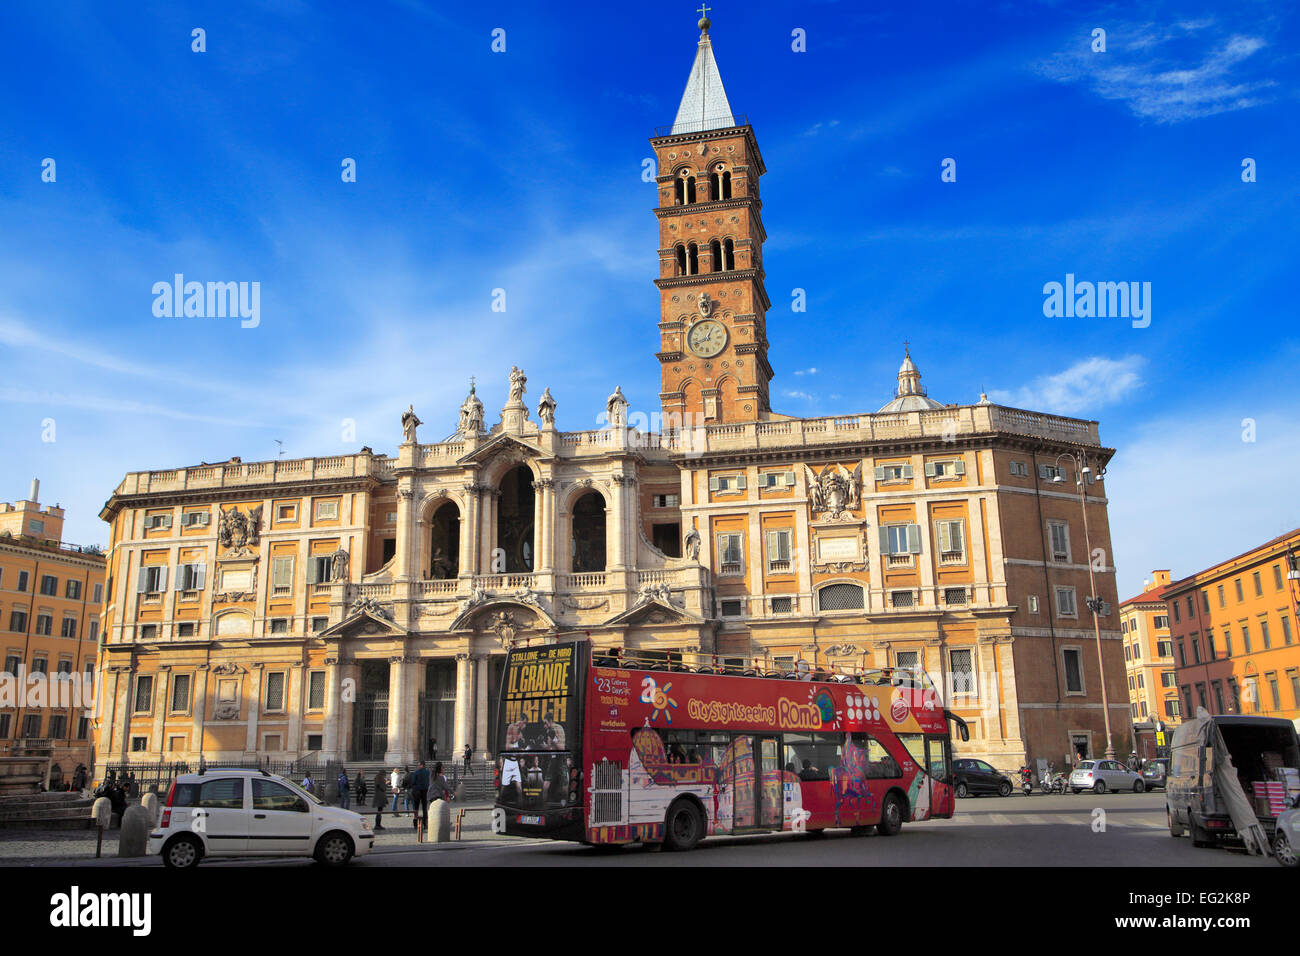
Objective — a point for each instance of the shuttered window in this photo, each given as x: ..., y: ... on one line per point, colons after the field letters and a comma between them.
x: 282, y: 573
x: 840, y: 597
x: 1058, y: 533
x: 275, y: 691
x: 316, y: 691
x: 900, y: 539
x: 778, y: 550
x: 731, y: 554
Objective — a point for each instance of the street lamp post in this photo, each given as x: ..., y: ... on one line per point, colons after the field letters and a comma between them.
x: 1095, y: 603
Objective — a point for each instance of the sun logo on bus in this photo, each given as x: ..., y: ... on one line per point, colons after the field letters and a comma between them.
x: 662, y: 702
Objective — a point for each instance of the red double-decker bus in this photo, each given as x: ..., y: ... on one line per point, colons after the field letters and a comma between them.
x: 609, y: 750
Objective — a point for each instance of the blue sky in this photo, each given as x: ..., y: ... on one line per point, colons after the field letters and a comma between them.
x: 522, y: 171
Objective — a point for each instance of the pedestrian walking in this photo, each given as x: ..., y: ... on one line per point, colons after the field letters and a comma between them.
x: 469, y: 755
x: 309, y: 784
x: 433, y: 748
x: 420, y: 801
x: 362, y: 791
x: 345, y: 798
x: 395, y: 784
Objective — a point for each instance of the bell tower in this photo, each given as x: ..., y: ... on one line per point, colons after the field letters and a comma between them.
x: 713, y: 307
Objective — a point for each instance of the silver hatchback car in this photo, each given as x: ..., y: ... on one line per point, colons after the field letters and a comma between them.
x: 1102, y: 775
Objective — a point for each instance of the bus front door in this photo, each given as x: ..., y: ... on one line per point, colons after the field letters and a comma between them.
x: 938, y: 760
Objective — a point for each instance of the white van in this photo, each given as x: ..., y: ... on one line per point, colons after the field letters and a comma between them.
x: 253, y: 813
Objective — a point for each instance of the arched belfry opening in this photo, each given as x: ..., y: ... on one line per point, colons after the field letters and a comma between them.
x: 444, y: 542
x: 588, y: 543
x: 516, y: 520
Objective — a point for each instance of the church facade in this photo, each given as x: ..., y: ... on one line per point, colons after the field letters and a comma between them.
x: 359, y: 607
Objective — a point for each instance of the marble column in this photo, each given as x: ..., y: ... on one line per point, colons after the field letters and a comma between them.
x: 481, y: 705
x: 400, y: 708
x: 618, y: 506
x: 464, y: 703
x: 162, y: 704
x: 469, y: 531
x: 405, y: 546
x: 333, y: 705
x: 254, y: 705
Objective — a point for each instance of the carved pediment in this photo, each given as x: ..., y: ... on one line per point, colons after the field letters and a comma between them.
x: 654, y: 609
x: 501, y: 446
x: 366, y: 617
x: 483, y: 610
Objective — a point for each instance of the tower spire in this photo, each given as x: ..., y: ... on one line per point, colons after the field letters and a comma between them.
x: 704, y: 105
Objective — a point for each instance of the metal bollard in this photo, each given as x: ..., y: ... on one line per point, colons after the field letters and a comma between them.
x: 101, y: 812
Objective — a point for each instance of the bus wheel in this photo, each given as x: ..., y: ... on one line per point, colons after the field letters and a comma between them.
x: 891, y: 816
x: 683, y: 827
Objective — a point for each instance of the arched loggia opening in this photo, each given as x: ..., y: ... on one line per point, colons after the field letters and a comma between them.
x: 516, y: 521
x: 588, y: 541
x: 444, y: 542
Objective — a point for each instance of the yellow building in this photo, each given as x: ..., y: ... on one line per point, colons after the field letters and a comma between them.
x: 1233, y: 626
x: 1149, y: 664
x: 51, y: 595
x: 359, y: 607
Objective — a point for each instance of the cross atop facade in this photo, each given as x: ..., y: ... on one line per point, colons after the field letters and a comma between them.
x: 704, y: 11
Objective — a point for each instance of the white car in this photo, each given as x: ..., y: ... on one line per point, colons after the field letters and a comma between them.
x: 1102, y: 775
x: 253, y: 813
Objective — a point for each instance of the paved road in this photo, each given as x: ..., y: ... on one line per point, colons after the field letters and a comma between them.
x: 1051, y: 831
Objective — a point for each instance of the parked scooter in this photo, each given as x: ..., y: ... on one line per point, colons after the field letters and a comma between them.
x: 1052, y: 781
x: 1026, y: 780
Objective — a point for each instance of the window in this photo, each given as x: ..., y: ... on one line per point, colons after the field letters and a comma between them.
x: 1182, y: 657
x: 1205, y: 601
x: 1072, y: 658
x: 1058, y: 535
x: 1227, y: 642
x: 812, y: 755
x: 1200, y: 696
x: 902, y: 599
x: 152, y: 580
x: 782, y: 605
x: 954, y: 595
x: 327, y: 510
x: 775, y: 479
x: 40, y: 665
x: 1033, y: 604
x: 1167, y: 679
x: 157, y: 522
x: 279, y: 625
x: 1196, y: 650
x: 945, y: 469
x: 320, y: 569
x: 32, y: 725
x: 778, y: 550
x: 18, y: 620
x: 1128, y: 655
x: 1240, y: 596
x: 148, y: 632
x: 316, y: 690
x: 1137, y: 650
x: 1245, y: 638
x: 1222, y: 601
x: 269, y: 795
x: 1272, y: 686
x: 99, y: 594
x: 667, y: 501
x: 44, y: 623
x: 83, y: 728
x: 1259, y: 585
x: 1166, y: 649
x: 195, y: 519
x: 727, y: 483
x: 898, y: 472
x: 734, y: 608
x: 72, y: 590
x: 275, y: 691
x: 282, y: 574
x: 1160, y: 622
x: 1286, y: 629
x: 181, y: 692
x: 1049, y: 472
x: 391, y: 518
x: 286, y: 512
x: 36, y: 527
x: 1019, y: 469
x: 319, y: 624
x: 143, y: 694
x: 12, y: 663
x: 1209, y: 645
x: 880, y: 764
x: 1065, y: 606
x: 315, y: 741
x: 1263, y: 632
x: 69, y: 628
x: 1292, y: 675
x: 840, y: 597
x: 22, y: 581
x: 899, y: 539
x: 952, y: 541
x: 49, y: 585
x: 1174, y: 606
x: 1218, y: 696
x: 185, y: 630
x: 731, y: 554
x: 225, y: 794
x: 907, y: 661
x: 961, y: 672
x: 1191, y: 607
x: 189, y: 577
x: 4, y: 725
x: 1277, y: 577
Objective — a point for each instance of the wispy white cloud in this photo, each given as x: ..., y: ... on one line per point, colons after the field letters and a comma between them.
x: 1085, y: 386
x: 794, y: 393
x: 806, y: 371
x: 1167, y: 73
x: 1218, y: 495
